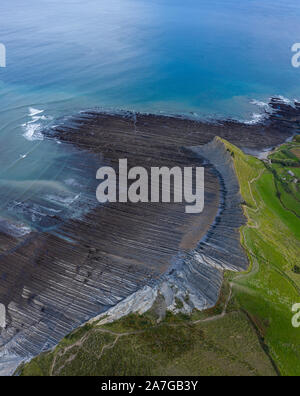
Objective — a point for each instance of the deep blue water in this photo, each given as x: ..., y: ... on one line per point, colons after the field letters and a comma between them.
x: 209, y: 57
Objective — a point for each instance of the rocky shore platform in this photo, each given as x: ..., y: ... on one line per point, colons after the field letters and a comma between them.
x: 51, y: 283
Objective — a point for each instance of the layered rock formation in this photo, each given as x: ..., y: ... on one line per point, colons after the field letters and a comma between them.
x: 196, y: 277
x: 52, y: 282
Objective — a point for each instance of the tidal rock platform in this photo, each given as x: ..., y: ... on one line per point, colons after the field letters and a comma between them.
x: 51, y: 283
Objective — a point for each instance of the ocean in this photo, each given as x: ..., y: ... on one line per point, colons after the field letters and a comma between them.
x: 202, y: 58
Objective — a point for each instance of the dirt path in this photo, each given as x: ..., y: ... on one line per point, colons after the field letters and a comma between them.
x: 117, y: 336
x: 217, y: 317
x: 258, y: 207
x: 80, y: 342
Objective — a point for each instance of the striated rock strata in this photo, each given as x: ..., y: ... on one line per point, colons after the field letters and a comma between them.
x: 50, y: 283
x: 197, y: 276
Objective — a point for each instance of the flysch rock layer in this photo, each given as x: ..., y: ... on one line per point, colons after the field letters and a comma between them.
x: 197, y: 276
x: 51, y: 283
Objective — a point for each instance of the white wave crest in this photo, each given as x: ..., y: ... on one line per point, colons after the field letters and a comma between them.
x: 256, y: 119
x: 284, y: 100
x: 33, y: 132
x: 33, y: 112
x: 260, y: 103
x: 34, y: 126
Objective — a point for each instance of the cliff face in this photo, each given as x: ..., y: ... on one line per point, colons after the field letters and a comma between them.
x: 220, y: 249
x: 51, y: 283
x: 196, y: 276
x: 222, y: 242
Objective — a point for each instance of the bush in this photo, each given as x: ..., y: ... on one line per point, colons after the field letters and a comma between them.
x: 297, y: 138
x: 296, y: 269
x: 285, y: 162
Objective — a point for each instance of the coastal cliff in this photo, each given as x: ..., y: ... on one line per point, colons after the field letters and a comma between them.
x: 51, y: 283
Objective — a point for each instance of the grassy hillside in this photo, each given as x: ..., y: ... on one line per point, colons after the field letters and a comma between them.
x: 249, y: 332
x: 138, y: 345
x: 272, y: 241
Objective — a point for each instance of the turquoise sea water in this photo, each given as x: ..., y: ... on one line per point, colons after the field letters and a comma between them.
x: 211, y: 58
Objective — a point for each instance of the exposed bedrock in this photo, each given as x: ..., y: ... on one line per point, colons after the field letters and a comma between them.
x: 222, y: 242
x: 197, y: 276
x: 50, y: 283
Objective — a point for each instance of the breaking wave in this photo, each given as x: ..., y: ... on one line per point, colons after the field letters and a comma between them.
x: 33, y: 132
x: 256, y: 119
x: 33, y: 128
x: 34, y: 112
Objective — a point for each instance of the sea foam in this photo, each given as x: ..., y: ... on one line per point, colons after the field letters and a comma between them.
x: 33, y: 112
x: 33, y: 127
x: 33, y: 132
x: 256, y: 119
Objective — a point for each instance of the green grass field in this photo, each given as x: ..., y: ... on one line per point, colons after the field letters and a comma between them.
x: 272, y: 241
x: 137, y: 345
x: 249, y: 332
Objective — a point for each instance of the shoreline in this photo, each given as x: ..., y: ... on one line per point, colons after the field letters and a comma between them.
x: 104, y: 266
